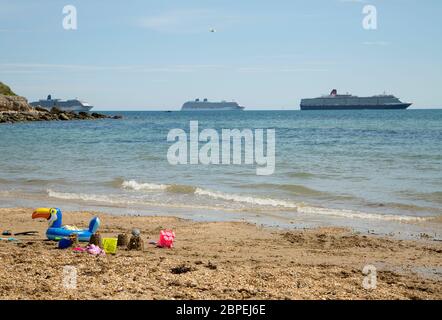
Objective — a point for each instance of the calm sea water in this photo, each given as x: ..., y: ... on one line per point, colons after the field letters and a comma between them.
x: 371, y: 170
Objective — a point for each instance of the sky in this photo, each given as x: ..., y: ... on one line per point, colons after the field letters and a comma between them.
x: 155, y: 55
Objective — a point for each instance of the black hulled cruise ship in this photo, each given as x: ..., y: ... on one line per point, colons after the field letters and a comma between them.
x: 336, y: 101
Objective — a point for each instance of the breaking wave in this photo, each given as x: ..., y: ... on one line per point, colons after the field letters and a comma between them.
x: 268, y: 202
x: 132, y: 184
x: 246, y: 199
x: 359, y: 215
x: 173, y: 188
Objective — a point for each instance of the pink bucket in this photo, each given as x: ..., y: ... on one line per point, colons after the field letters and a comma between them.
x: 166, y: 239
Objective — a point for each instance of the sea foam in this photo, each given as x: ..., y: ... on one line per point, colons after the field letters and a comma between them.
x: 134, y: 185
x: 269, y: 202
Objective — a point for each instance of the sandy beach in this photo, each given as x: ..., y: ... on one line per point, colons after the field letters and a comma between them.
x: 216, y: 260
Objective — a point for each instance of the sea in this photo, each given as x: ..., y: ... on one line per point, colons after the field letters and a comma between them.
x: 372, y: 171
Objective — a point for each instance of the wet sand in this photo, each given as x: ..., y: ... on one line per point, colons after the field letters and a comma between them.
x: 217, y: 260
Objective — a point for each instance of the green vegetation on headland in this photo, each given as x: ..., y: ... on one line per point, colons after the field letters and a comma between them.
x: 5, y: 90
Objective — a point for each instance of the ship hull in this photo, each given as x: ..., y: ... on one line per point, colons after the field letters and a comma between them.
x: 401, y: 106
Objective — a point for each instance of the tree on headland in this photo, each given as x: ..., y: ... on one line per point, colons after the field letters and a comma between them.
x: 5, y: 90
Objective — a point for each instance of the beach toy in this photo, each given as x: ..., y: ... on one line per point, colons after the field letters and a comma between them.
x: 8, y: 239
x: 57, y: 232
x: 91, y: 249
x: 26, y: 233
x: 64, y: 243
x: 166, y: 239
x: 110, y: 245
x: 95, y: 250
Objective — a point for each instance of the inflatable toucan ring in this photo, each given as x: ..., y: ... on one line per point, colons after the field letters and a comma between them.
x: 57, y: 232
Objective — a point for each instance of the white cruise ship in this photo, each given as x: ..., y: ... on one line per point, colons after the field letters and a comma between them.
x: 206, y: 105
x: 73, y: 105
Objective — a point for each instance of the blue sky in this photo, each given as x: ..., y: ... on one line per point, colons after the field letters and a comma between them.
x: 153, y: 55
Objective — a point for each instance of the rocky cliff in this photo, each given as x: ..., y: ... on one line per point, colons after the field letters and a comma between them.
x: 14, y: 108
x: 14, y: 103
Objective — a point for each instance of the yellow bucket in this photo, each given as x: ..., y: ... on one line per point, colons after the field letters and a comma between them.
x: 110, y: 245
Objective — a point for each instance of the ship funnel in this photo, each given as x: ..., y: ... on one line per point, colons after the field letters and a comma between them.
x: 49, y: 97
x: 334, y: 92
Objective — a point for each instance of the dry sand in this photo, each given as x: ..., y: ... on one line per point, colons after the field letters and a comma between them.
x: 223, y: 261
